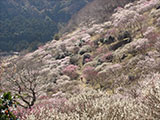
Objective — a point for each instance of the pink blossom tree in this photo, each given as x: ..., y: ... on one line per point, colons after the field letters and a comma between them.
x: 107, y: 57
x: 71, y: 71
x: 151, y: 35
x: 90, y: 74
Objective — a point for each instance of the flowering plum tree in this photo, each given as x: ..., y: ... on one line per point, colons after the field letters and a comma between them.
x: 71, y: 71
x: 107, y: 57
x: 90, y: 74
x: 24, y: 81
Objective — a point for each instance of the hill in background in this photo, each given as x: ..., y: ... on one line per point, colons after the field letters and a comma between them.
x: 25, y: 24
x: 97, y: 11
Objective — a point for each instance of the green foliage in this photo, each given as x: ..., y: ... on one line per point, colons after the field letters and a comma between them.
x: 16, y: 35
x: 56, y: 37
x: 24, y: 23
x: 6, y: 102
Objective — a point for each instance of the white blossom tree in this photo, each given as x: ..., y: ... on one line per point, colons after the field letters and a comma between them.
x: 23, y: 80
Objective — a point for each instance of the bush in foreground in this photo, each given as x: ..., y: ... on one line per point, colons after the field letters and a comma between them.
x: 7, y: 103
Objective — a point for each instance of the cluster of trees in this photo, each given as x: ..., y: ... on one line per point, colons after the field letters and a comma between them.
x: 21, y: 33
x: 26, y: 24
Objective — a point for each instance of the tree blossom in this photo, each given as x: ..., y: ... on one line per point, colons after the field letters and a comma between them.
x: 89, y: 73
x: 71, y: 71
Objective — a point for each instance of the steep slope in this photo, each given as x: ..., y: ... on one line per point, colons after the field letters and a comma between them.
x: 97, y: 11
x: 111, y: 67
x: 28, y: 23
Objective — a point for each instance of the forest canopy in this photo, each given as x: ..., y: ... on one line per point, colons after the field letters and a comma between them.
x: 29, y: 23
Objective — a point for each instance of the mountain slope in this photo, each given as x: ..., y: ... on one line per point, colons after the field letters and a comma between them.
x: 95, y: 12
x: 111, y: 67
x: 28, y: 23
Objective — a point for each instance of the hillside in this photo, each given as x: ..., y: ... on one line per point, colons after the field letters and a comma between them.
x: 30, y: 23
x: 97, y: 11
x: 105, y: 71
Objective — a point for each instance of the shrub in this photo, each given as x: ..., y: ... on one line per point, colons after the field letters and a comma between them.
x: 86, y: 58
x: 151, y: 35
x: 147, y: 5
x: 7, y: 102
x: 139, y: 46
x: 56, y: 36
x: 158, y: 22
x: 110, y: 39
x: 85, y: 49
x: 74, y: 59
x: 119, y: 44
x: 90, y: 74
x: 71, y: 71
x: 107, y: 57
x: 124, y: 35
x: 124, y: 17
x: 100, y: 50
x: 157, y: 46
